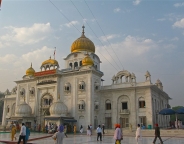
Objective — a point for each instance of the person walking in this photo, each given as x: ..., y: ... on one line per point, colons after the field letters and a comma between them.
x: 27, y: 133
x: 81, y: 129
x: 74, y: 129
x: 176, y: 124
x: 88, y: 131
x: 103, y: 128
x: 138, y: 134
x: 90, y: 128
x: 157, y: 134
x: 118, y: 136
x: 39, y: 127
x: 99, y: 133
x: 22, y: 134
x: 46, y: 128
x: 58, y: 136
x: 13, y: 132
x: 65, y: 130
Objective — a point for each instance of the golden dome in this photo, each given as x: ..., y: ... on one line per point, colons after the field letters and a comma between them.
x: 30, y: 71
x: 50, y: 61
x: 87, y: 61
x: 83, y: 44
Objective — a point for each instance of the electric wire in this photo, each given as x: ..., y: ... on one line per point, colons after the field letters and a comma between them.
x: 63, y: 14
x: 79, y: 31
x: 102, y: 54
x: 94, y: 33
x: 103, y: 33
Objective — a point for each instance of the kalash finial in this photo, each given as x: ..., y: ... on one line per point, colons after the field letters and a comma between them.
x: 83, y: 30
x: 31, y: 65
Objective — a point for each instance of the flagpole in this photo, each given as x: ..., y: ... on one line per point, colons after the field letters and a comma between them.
x: 54, y: 52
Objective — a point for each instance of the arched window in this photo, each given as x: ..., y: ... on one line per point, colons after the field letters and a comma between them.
x: 81, y: 85
x: 142, y: 103
x: 46, y: 101
x: 32, y: 90
x: 67, y: 87
x: 80, y: 63
x: 50, y: 101
x: 108, y: 105
x: 75, y: 65
x: 22, y: 91
x: 96, y: 105
x: 8, y: 109
x: 70, y: 65
x: 81, y: 105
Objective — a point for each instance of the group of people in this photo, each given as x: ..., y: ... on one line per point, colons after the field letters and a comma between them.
x: 138, y: 136
x: 178, y: 124
x: 62, y: 130
x: 24, y: 133
x: 51, y: 128
x: 89, y: 130
x: 118, y: 135
x: 37, y: 127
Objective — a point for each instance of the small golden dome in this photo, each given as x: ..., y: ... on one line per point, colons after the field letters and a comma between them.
x: 87, y: 61
x: 50, y: 61
x: 83, y: 44
x: 30, y: 71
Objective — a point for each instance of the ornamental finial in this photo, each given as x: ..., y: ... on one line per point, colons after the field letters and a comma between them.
x: 83, y: 29
x: 31, y: 64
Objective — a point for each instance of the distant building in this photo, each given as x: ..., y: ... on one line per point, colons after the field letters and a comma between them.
x: 76, y: 95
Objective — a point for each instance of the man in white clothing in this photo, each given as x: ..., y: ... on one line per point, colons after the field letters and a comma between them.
x: 99, y: 133
x: 22, y: 134
x: 138, y: 133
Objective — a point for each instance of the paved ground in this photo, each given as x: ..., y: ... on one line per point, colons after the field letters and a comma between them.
x: 83, y: 139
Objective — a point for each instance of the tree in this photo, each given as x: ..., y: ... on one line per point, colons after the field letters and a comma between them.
x: 180, y: 116
x: 1, y: 105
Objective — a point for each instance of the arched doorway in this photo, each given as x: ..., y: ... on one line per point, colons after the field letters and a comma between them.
x: 82, y: 122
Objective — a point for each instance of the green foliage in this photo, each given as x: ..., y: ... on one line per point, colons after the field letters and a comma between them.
x: 180, y: 116
x: 1, y: 106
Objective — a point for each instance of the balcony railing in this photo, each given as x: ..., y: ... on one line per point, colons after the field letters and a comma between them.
x: 45, y: 106
x: 124, y: 111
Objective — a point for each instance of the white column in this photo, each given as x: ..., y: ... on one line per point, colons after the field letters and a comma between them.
x: 27, y: 94
x: 4, y: 113
x: 18, y: 97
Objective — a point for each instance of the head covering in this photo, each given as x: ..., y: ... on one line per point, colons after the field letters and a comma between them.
x: 61, y: 128
x: 116, y: 125
x: 156, y: 125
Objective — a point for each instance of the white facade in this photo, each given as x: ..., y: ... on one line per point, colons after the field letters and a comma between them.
x: 78, y: 90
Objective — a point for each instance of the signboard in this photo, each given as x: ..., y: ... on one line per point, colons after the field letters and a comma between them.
x: 46, y: 82
x: 42, y: 73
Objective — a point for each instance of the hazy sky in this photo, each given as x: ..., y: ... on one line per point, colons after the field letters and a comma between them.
x: 133, y: 35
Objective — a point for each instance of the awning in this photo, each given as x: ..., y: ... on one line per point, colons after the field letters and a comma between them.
x: 11, y: 120
x: 69, y: 120
x: 52, y: 118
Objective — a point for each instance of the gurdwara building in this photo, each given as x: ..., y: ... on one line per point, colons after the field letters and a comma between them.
x: 75, y: 95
